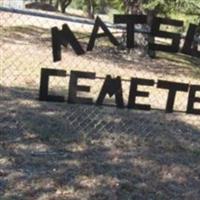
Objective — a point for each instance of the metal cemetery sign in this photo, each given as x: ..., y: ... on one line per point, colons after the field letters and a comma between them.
x: 113, y: 86
x: 66, y: 36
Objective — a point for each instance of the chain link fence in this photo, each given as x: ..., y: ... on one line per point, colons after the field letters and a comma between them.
x: 25, y: 42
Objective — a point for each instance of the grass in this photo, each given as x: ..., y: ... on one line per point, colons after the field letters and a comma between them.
x: 184, y: 61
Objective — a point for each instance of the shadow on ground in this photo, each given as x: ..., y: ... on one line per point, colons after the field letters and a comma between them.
x: 76, y: 152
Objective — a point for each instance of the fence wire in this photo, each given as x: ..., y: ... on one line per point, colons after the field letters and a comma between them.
x: 26, y: 48
x: 70, y: 151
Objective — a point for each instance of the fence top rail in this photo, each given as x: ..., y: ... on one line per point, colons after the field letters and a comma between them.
x: 73, y: 19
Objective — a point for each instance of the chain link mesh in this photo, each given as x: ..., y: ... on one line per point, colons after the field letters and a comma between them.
x: 26, y: 48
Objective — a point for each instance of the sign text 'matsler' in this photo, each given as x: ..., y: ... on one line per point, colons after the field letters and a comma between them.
x: 66, y: 36
x: 113, y: 86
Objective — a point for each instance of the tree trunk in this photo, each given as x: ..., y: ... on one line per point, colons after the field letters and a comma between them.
x: 150, y: 16
x: 132, y: 7
x: 63, y: 4
x: 57, y: 4
x: 90, y: 9
x: 102, y: 7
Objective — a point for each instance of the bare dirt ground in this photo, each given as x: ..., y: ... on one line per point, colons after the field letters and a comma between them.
x: 76, y: 152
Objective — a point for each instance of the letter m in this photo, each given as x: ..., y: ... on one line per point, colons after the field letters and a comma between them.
x: 64, y: 37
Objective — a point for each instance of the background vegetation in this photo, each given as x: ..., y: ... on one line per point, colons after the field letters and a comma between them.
x: 189, y: 8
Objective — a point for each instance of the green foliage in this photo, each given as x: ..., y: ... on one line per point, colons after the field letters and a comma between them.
x: 167, y: 7
x: 117, y: 4
x: 78, y: 4
x: 187, y: 10
x: 191, y: 7
x: 99, y: 5
x: 162, y: 7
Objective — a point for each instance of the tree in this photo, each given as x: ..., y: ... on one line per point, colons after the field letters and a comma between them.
x: 132, y: 6
x: 191, y: 7
x: 63, y: 4
x: 90, y: 8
